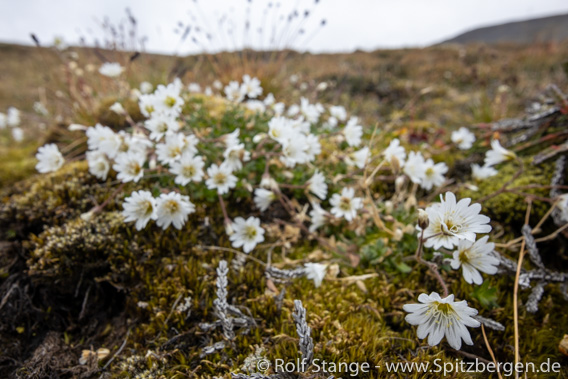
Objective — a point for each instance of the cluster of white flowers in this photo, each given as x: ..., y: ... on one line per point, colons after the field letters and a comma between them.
x: 12, y: 119
x: 419, y: 170
x: 453, y: 224
x: 162, y: 143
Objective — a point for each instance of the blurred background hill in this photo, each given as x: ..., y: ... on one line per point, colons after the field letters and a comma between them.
x: 545, y: 29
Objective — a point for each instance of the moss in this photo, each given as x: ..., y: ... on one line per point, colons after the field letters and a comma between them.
x: 154, y: 268
x: 18, y: 163
x: 509, y: 208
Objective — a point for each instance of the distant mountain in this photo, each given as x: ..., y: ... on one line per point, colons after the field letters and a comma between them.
x: 546, y: 29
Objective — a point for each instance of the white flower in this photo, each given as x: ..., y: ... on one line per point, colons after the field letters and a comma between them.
x: 338, y: 112
x: 315, y: 272
x: 118, y: 108
x: 175, y: 145
x: 313, y: 147
x: 217, y: 84
x: 463, y: 138
x: 358, y: 158
x: 251, y: 87
x: 129, y: 167
x: 474, y: 257
x: 452, y: 221
x: 317, y: 215
x: 18, y: 134
x: 256, y: 106
x: 220, y: 178
x: 13, y: 117
x: 111, y: 70
x: 415, y: 167
x: 433, y: 174
x: 395, y: 151
x: 102, y: 138
x: 294, y: 150
x: 99, y: 165
x: 161, y: 124
x: 279, y: 128
x: 353, y: 132
x: 173, y: 208
x: 188, y: 169
x: 263, y: 198
x: 235, y: 155
x: 233, y: 92
x: 148, y: 104
x: 437, y: 317
x: 168, y: 99
x: 50, y: 159
x: 146, y: 87
x: 269, y: 100
x: 346, y: 204
x: 194, y: 88
x: 317, y: 185
x: 497, y: 154
x: 482, y: 172
x: 246, y: 233
x: 310, y: 111
x: 232, y: 139
x: 139, y: 207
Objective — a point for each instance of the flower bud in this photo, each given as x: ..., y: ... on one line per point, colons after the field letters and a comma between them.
x: 398, y: 183
x: 389, y: 207
x: 423, y: 220
x: 395, y: 163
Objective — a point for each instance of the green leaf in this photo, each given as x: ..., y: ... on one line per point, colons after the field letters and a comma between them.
x: 486, y: 295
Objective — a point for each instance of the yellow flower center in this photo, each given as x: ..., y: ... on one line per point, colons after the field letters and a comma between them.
x: 250, y: 232
x: 170, y: 101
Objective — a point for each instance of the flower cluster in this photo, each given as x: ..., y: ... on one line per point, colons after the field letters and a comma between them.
x: 275, y: 161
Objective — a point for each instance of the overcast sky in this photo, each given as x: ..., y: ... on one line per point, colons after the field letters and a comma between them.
x: 350, y: 24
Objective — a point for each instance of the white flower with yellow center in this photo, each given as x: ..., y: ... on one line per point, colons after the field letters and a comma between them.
x: 173, y: 208
x: 474, y: 257
x: 246, y: 233
x: 346, y: 204
x: 139, y: 207
x: 433, y: 174
x: 171, y: 150
x: 188, y: 169
x: 235, y: 155
x: 437, y: 317
x: 358, y: 158
x: 463, y: 138
x: 263, y: 198
x: 251, y: 87
x: 220, y: 178
x: 452, y: 221
x: 233, y: 92
x: 99, y: 165
x: 129, y: 167
x: 498, y: 154
x: 395, y: 151
x: 104, y: 139
x: 50, y: 158
x: 161, y: 124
